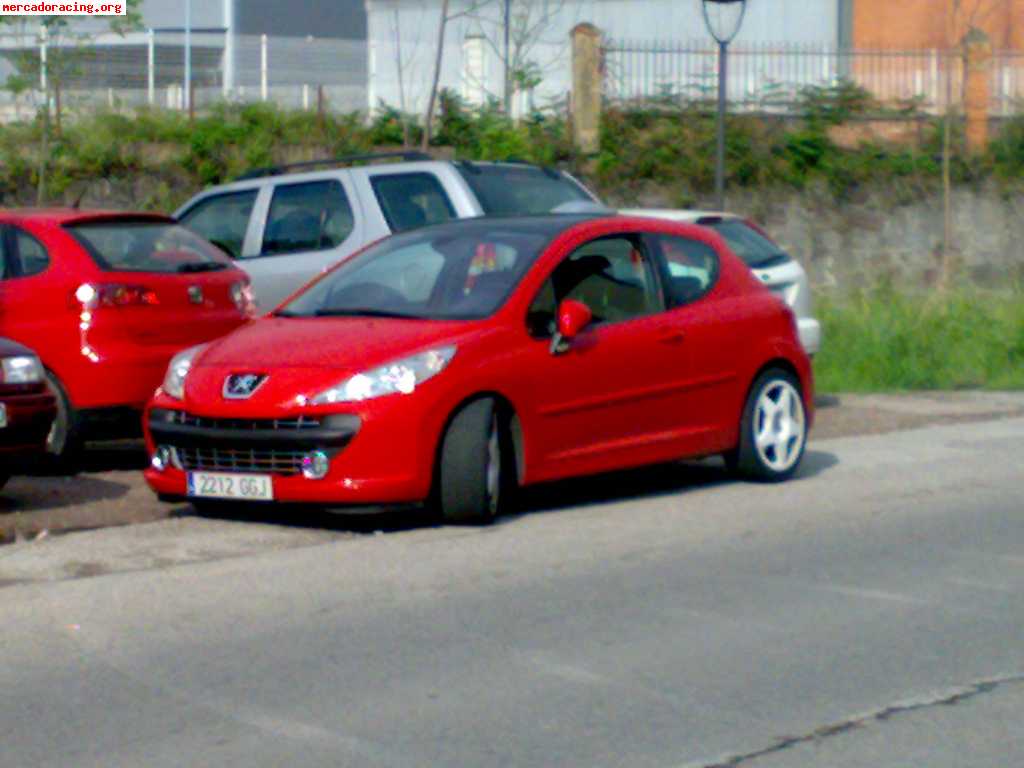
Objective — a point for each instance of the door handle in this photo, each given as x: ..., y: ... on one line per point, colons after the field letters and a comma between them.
x: 672, y: 339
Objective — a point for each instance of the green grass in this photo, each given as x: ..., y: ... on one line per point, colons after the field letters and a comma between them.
x: 885, y: 340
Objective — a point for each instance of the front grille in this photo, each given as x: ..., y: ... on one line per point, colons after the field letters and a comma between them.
x: 264, y: 446
x: 225, y: 459
x: 243, y: 425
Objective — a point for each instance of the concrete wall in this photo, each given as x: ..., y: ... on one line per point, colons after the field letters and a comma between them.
x: 917, y: 24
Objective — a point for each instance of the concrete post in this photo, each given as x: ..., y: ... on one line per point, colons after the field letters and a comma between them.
x: 587, y: 84
x: 977, y: 88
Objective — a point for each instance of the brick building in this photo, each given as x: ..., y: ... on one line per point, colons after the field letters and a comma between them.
x: 928, y: 24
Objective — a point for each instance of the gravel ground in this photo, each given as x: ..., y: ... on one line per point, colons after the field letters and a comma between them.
x: 109, y: 490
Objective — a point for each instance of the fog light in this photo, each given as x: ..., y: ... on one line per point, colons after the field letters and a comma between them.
x: 161, y: 458
x: 315, y: 465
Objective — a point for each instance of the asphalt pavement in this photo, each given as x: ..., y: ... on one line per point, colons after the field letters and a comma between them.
x: 868, y: 613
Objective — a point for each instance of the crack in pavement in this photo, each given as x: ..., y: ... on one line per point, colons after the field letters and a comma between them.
x: 948, y: 698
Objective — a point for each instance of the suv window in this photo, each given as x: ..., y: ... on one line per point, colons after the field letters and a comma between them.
x: 25, y: 255
x: 613, y: 276
x: 746, y: 242
x: 692, y: 268
x: 312, y: 216
x: 223, y: 219
x: 411, y: 200
x: 508, y: 190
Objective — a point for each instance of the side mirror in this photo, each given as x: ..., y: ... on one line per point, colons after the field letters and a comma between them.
x: 573, y: 317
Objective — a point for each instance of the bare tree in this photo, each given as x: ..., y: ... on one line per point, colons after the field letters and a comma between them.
x: 447, y: 15
x: 516, y: 32
x: 67, y: 54
x: 962, y: 16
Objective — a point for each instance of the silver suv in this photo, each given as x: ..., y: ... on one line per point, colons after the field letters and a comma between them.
x: 285, y: 225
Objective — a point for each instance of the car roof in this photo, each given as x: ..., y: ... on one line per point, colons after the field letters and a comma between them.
x: 63, y: 216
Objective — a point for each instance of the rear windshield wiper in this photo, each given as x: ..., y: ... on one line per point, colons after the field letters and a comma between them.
x: 362, y: 312
x: 202, y: 266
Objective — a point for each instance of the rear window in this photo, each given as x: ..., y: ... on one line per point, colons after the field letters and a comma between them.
x: 147, y: 246
x: 521, y: 190
x: 746, y: 242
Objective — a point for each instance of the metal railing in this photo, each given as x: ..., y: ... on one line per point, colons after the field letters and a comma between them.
x: 148, y: 68
x: 771, y: 77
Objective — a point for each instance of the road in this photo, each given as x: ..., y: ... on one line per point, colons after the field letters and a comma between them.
x: 868, y: 613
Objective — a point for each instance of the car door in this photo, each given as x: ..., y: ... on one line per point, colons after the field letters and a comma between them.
x: 613, y: 397
x: 33, y: 309
x: 309, y: 226
x: 700, y: 316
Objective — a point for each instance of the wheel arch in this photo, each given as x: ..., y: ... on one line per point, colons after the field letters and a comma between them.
x: 507, y: 411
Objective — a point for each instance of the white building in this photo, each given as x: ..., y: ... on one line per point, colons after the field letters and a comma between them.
x: 403, y: 40
x: 240, y: 49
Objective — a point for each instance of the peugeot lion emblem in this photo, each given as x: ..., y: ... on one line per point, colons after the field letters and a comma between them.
x: 195, y: 294
x: 239, y: 386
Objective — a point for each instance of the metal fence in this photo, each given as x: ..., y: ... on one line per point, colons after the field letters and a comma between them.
x: 768, y: 77
x: 148, y: 68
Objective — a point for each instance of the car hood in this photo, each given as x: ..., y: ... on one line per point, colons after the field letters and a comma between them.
x: 338, y: 344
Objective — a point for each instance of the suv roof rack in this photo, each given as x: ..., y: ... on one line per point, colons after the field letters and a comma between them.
x: 273, y: 170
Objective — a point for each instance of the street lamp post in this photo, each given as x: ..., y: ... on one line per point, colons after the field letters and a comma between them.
x: 186, y: 99
x: 723, y: 19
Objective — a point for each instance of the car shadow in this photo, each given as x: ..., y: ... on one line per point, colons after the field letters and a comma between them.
x: 48, y: 493
x: 643, y: 483
x: 115, y: 456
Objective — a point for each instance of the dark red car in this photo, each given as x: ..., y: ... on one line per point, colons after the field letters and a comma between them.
x: 27, y: 408
x: 460, y: 361
x: 106, y: 299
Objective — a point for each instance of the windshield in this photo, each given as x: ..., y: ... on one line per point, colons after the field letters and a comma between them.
x: 755, y: 249
x: 121, y: 245
x: 511, y: 190
x: 442, y: 273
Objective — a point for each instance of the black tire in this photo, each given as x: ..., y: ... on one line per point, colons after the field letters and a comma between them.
x: 476, y: 466
x: 778, y: 462
x: 4, y: 477
x: 64, y: 443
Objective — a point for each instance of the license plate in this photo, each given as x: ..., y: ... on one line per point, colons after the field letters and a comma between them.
x: 3, y: 415
x: 222, y: 485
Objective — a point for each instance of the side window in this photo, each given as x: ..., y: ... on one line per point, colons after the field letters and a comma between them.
x: 223, y: 219
x: 691, y: 266
x: 25, y: 255
x: 613, y: 276
x: 411, y: 200
x: 314, y: 216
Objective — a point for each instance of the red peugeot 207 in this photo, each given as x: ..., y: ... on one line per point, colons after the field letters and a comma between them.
x: 106, y: 299
x: 458, y: 362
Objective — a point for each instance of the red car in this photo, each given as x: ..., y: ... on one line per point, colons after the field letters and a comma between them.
x: 27, y: 408
x: 455, y: 363
x: 106, y: 299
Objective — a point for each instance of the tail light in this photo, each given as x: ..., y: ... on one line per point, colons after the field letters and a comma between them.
x: 244, y: 297
x: 90, y: 296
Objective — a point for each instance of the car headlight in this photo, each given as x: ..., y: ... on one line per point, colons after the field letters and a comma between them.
x: 24, y: 369
x: 177, y: 370
x: 401, y: 376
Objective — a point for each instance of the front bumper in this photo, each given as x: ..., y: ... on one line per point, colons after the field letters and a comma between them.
x: 809, y: 330
x: 28, y: 420
x: 380, y: 454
